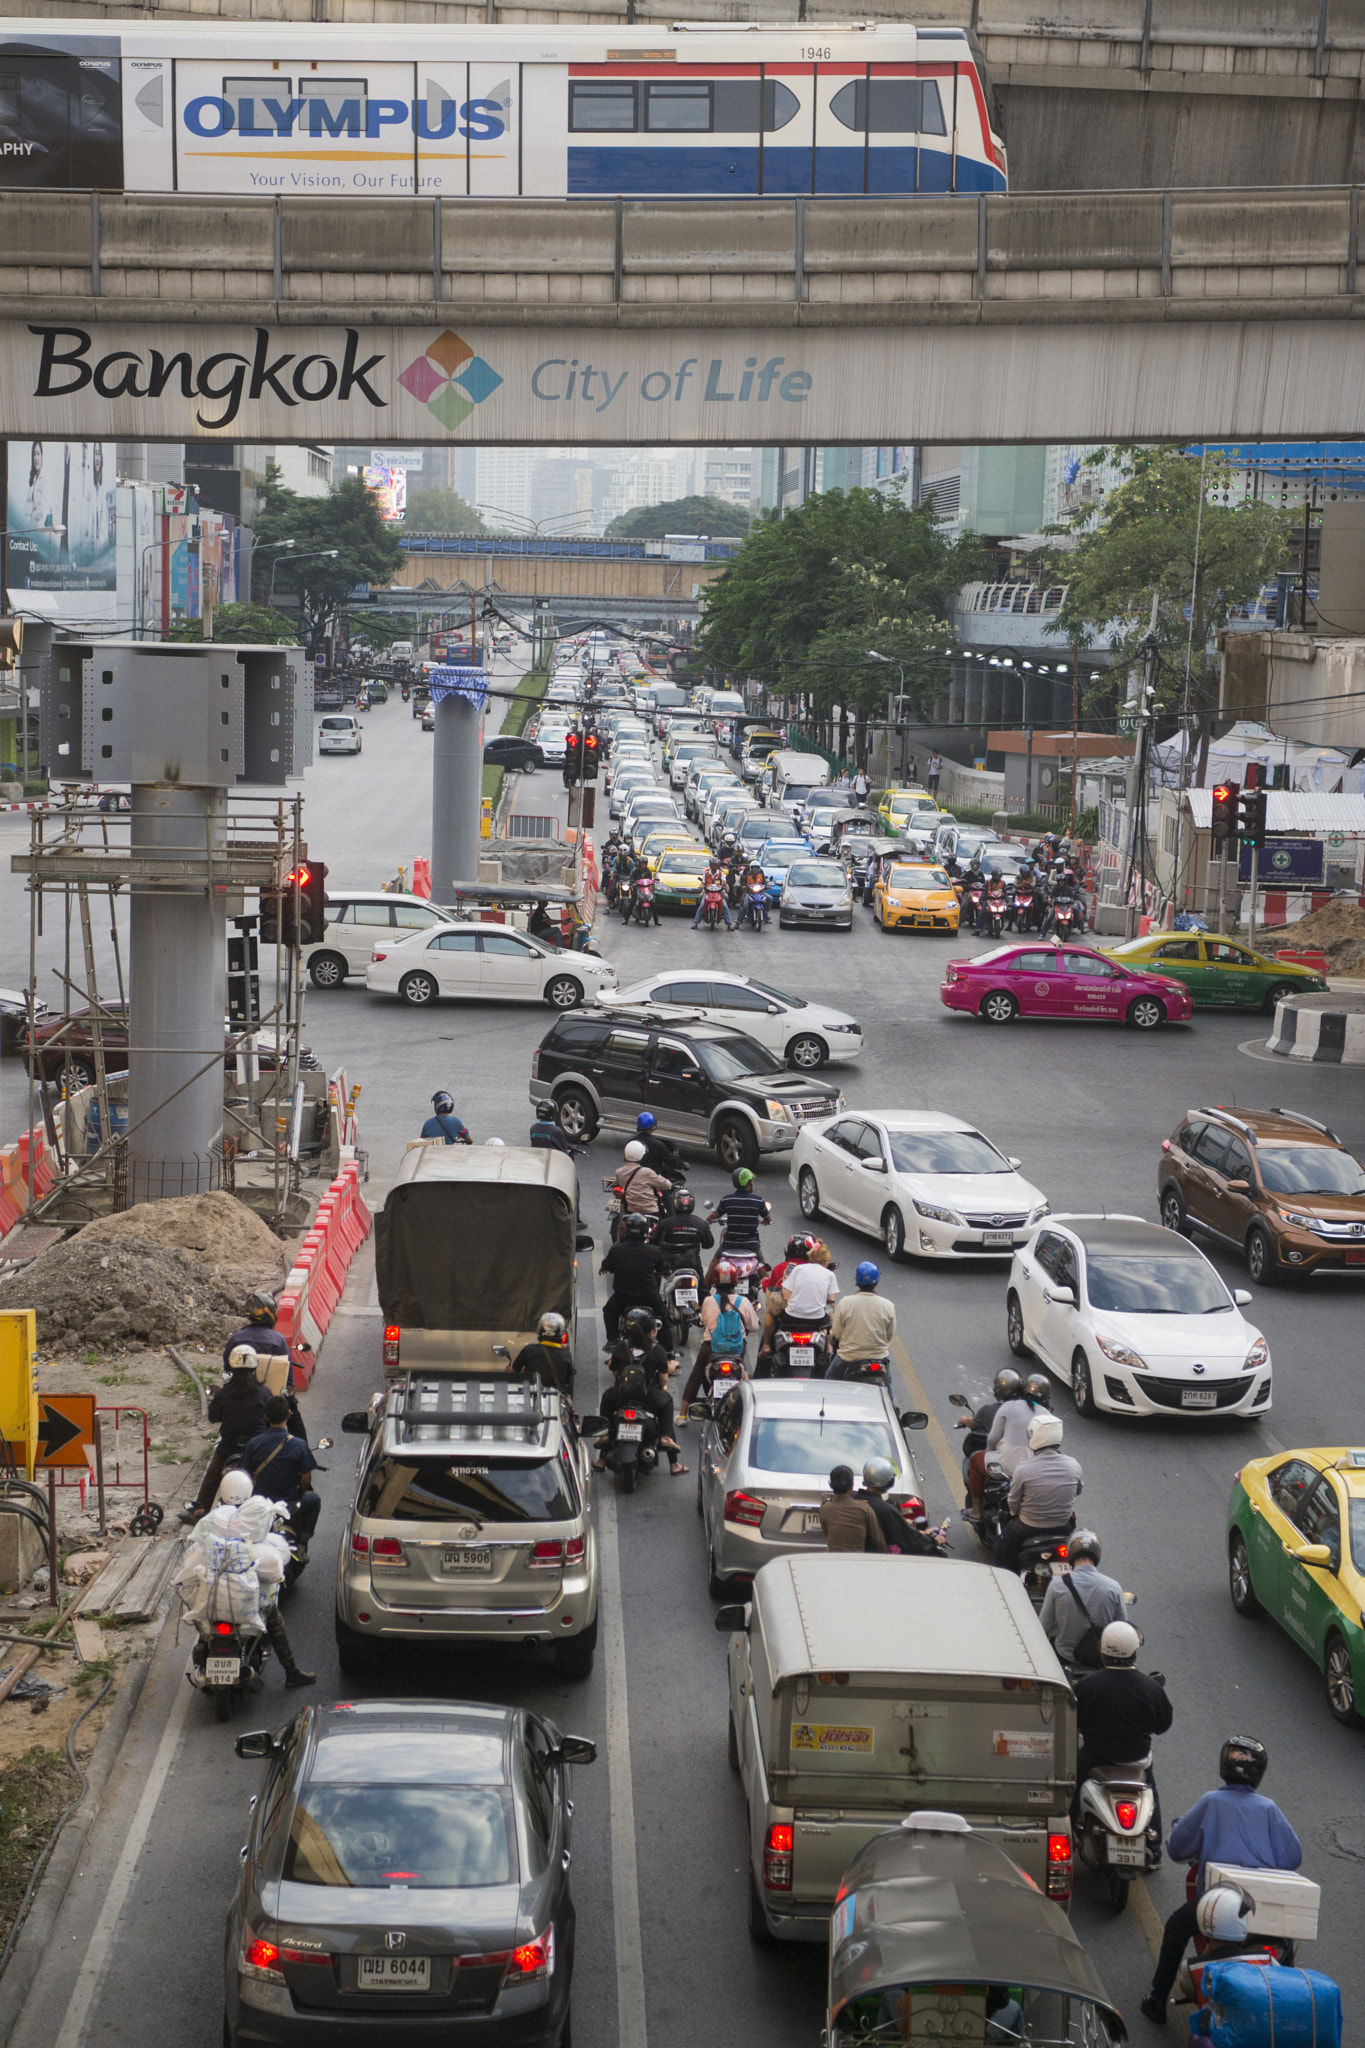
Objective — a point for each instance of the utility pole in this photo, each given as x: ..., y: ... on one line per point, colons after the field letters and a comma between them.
x: 1137, y: 779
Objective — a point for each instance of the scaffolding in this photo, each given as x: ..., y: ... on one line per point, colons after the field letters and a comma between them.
x: 88, y: 853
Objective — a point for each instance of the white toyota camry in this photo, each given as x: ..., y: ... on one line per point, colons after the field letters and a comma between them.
x: 488, y: 962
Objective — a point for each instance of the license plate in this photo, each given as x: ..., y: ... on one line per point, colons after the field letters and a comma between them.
x: 395, y: 1973
x: 223, y: 1670
x: 458, y: 1558
x: 1058, y: 1567
x: 812, y: 1521
x: 1002, y: 1238
x: 1355, y: 1258
x: 686, y: 1297
x: 1126, y: 1855
x: 630, y: 1433
x: 802, y: 1357
x: 1199, y: 1397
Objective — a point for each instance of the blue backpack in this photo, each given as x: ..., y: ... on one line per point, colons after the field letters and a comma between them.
x: 727, y: 1339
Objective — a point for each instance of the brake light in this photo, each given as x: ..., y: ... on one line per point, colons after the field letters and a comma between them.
x: 913, y: 1509
x: 222, y: 1628
x: 533, y: 1958
x: 389, y: 1548
x: 1059, y: 1866
x: 777, y: 1857
x: 575, y: 1549
x: 360, y: 1546
x: 1126, y: 1810
x: 803, y: 1337
x: 630, y: 1415
x: 745, y: 1509
x: 392, y: 1333
x: 1061, y: 1550
x: 380, y: 953
x: 261, y: 1959
x: 544, y: 1555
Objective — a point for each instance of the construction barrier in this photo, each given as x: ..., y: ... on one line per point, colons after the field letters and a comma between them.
x: 314, y: 1286
x: 26, y: 1173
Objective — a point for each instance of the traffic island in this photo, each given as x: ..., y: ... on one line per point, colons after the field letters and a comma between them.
x: 1328, y: 1028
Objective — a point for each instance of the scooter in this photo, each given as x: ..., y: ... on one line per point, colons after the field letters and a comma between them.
x: 227, y: 1662
x: 641, y: 904
x: 996, y: 911
x: 755, y: 906
x: 683, y: 1300
x: 805, y: 1352
x: 1115, y: 1833
x: 868, y: 1372
x: 1042, y: 1558
x: 711, y: 900
x: 1021, y: 915
x: 631, y: 1444
x: 971, y: 905
x: 995, y: 1493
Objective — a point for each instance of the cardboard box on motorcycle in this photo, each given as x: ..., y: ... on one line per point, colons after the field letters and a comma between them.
x: 472, y: 1247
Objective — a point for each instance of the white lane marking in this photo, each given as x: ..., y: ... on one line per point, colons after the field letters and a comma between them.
x: 625, y: 1884
x: 121, y: 1881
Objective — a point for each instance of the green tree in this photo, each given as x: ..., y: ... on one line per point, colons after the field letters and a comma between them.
x: 812, y: 594
x: 1159, y: 534
x: 434, y: 511
x: 250, y: 625
x: 347, y: 519
x: 713, y: 517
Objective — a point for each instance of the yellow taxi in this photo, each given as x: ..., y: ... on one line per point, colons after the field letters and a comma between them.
x: 678, y: 878
x: 918, y: 895
x: 1296, y: 1551
x: 898, y: 808
x: 666, y: 839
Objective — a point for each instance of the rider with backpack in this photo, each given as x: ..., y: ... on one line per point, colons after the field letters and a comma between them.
x: 727, y: 1319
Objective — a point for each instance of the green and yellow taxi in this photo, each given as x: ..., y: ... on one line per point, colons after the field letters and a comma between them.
x: 1220, y: 974
x: 917, y: 895
x: 898, y: 808
x: 1296, y: 1551
x: 677, y: 878
x: 756, y: 751
x: 666, y: 839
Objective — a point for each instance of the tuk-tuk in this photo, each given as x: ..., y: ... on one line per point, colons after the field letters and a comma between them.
x: 937, y: 1936
x: 866, y: 857
x: 378, y: 689
x: 853, y: 828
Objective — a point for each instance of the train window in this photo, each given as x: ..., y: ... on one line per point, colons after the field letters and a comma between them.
x: 898, y: 106
x: 258, y: 115
x: 678, y: 103
x: 735, y: 105
x: 345, y: 99
x: 601, y: 104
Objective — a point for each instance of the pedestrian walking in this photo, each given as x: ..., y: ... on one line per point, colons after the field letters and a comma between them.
x: 861, y: 785
x: 935, y: 770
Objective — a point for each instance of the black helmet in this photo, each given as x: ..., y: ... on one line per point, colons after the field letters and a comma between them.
x: 260, y: 1308
x: 1008, y: 1385
x: 635, y: 1227
x: 798, y: 1248
x: 639, y: 1325
x: 1242, y: 1761
x: 1085, y: 1543
x: 545, y: 1111
x: 1038, y: 1389
x: 684, y: 1202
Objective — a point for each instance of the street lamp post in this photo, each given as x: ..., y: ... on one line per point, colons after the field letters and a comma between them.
x: 899, y: 666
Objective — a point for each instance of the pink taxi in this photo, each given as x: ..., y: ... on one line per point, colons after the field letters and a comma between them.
x: 1041, y: 980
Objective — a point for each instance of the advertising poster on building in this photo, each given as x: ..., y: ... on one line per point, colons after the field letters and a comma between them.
x: 389, y: 489
x: 60, y: 517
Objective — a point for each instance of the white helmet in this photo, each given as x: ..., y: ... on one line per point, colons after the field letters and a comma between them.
x: 1119, y: 1643
x: 1221, y: 1913
x: 234, y: 1488
x: 1044, y: 1432
x: 635, y: 1152
x: 242, y: 1358
x: 495, y: 1141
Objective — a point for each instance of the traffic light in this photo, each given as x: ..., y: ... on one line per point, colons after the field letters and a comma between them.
x: 1225, y: 796
x: 303, y: 905
x: 1251, y: 818
x: 573, y: 758
x: 592, y: 756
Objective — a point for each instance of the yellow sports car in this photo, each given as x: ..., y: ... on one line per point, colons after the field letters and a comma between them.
x: 901, y: 807
x: 915, y: 895
x: 1296, y: 1551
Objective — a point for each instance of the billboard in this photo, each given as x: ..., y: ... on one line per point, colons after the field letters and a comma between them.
x: 389, y: 488
x: 60, y: 517
x: 1286, y: 863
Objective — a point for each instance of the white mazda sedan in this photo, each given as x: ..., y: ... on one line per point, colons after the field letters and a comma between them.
x: 802, y: 1034
x: 1135, y: 1321
x: 928, y: 1185
x: 493, y: 963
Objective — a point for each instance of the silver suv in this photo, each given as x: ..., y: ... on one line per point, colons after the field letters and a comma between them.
x: 471, y: 1523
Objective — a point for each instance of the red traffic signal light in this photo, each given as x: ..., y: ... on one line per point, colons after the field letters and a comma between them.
x: 1224, y: 821
x: 573, y: 757
x: 592, y: 756
x: 303, y: 905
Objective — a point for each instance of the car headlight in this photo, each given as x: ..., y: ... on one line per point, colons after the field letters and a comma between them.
x: 1043, y: 1209
x: 1259, y: 1354
x: 1121, y: 1355
x: 893, y: 902
x: 1298, y: 1219
x: 937, y: 1215
x: 778, y: 1112
x: 843, y: 1027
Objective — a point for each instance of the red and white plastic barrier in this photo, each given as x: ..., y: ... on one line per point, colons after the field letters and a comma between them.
x: 313, y: 1289
x: 26, y: 1174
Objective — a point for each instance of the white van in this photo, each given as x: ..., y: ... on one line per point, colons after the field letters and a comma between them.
x: 339, y: 733
x: 400, y: 650
x: 793, y: 774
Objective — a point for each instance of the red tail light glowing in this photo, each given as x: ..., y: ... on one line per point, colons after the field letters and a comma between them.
x: 392, y: 1333
x: 1127, y: 1812
x: 544, y: 1556
x: 1059, y: 1866
x: 222, y: 1628
x: 777, y: 1857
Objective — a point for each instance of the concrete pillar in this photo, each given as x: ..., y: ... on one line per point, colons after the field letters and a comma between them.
x: 176, y: 967
x: 456, y: 794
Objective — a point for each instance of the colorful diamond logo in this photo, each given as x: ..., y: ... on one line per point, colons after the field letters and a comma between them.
x: 450, y: 380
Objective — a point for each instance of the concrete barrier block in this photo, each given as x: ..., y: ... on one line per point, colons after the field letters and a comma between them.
x: 1289, y: 280
x: 1015, y: 284
x: 405, y: 287
x: 214, y: 284
x: 1190, y: 282
x: 1248, y: 282
x: 1120, y: 284
x: 855, y: 290
x: 144, y: 233
x: 1055, y: 284
x: 361, y: 235
x: 533, y: 289
x: 662, y: 235
x: 499, y: 290
x: 890, y: 287
x: 529, y: 237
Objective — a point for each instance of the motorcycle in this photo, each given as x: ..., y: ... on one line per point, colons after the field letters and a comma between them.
x: 971, y: 905
x: 805, y: 1351
x: 1042, y: 1558
x: 755, y: 907
x: 711, y: 899
x: 1115, y: 1834
x: 407, y: 692
x: 1067, y: 918
x: 630, y: 1446
x: 995, y: 1494
x: 868, y: 1372
x: 748, y: 1269
x: 641, y: 906
x: 227, y: 1662
x: 682, y: 1298
x: 1021, y: 915
x: 996, y: 911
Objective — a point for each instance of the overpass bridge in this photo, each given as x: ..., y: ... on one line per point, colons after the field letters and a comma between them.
x: 1091, y: 93
x: 1204, y: 315
x: 625, y: 584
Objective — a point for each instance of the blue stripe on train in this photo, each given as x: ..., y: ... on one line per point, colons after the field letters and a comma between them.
x: 714, y: 169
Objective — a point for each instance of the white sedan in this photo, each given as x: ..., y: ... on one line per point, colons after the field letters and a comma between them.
x: 928, y: 1185
x: 489, y: 961
x: 805, y: 1035
x: 1135, y: 1320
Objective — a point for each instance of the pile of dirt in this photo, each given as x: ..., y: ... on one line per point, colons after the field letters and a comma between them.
x: 167, y: 1273
x: 1337, y: 930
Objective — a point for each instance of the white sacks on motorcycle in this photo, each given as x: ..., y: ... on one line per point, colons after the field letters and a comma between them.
x: 233, y: 1565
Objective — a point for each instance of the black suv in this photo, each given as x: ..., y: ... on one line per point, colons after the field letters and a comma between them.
x: 706, y: 1084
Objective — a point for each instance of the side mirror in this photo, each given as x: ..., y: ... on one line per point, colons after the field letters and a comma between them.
x: 576, y: 1749
x: 260, y: 1743
x: 1238, y: 1187
x: 1016, y: 1164
x: 583, y: 1242
x: 877, y: 1165
x: 355, y: 1422
x: 913, y: 1418
x: 1311, y: 1553
x: 1241, y: 1296
x: 730, y: 1619
x: 1062, y: 1297
x: 958, y: 1401
x: 704, y: 1407
x: 590, y: 1422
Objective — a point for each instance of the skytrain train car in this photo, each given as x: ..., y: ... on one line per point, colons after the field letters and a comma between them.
x: 732, y: 111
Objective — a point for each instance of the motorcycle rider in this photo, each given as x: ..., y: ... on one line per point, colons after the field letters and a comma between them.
x: 636, y: 1269
x: 640, y: 871
x: 714, y: 878
x: 238, y: 1407
x: 849, y: 1522
x: 973, y: 878
x: 807, y: 1291
x: 234, y: 1491
x: 683, y: 1236
x: 443, y: 1122
x: 753, y: 877
x: 1067, y: 890
x: 1042, y: 1492
x: 862, y: 1324
x: 260, y: 1335
x: 643, y: 1191
x: 1006, y: 1435
x: 995, y: 902
x: 727, y: 1323
x: 1081, y: 1603
x: 1118, y: 1711
x: 741, y: 1215
x: 548, y: 1358
x: 546, y: 1135
x: 280, y: 1465
x: 663, y: 1157
x: 632, y: 1389
x: 1233, y: 1824
x: 879, y: 1476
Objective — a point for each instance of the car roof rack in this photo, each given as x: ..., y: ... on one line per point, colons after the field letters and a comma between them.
x: 442, y: 1399
x: 1217, y: 1109
x: 1296, y: 1116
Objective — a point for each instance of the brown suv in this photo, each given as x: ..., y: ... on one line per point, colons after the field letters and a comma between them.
x: 1279, y: 1186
